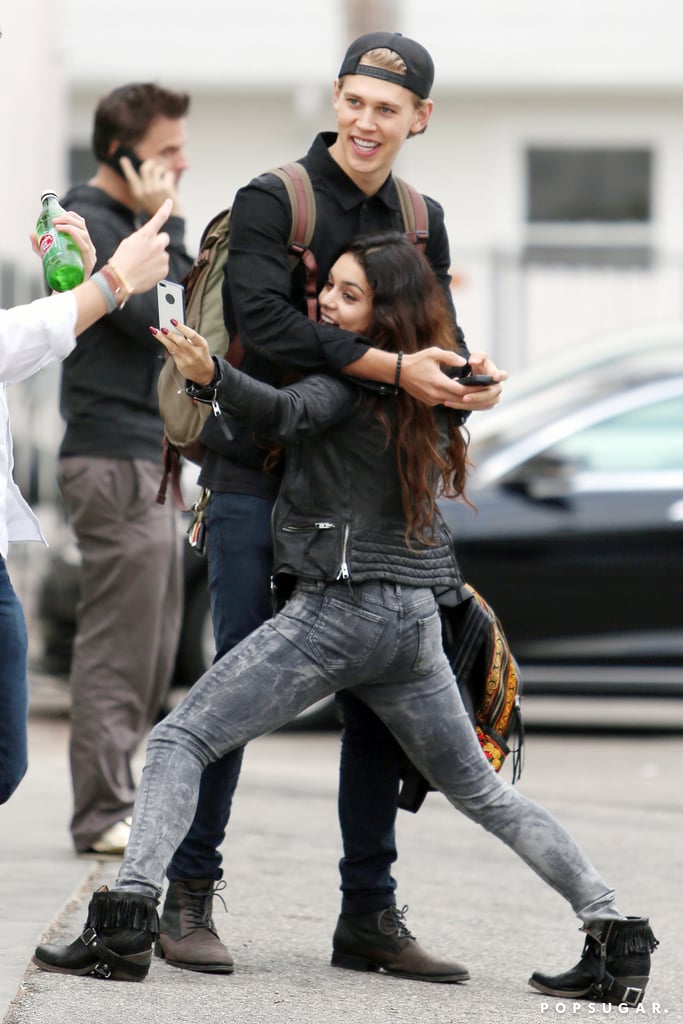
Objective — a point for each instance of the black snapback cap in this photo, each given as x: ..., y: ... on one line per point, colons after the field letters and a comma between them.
x: 419, y: 77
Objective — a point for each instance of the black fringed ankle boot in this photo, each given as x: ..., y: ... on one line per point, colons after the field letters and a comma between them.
x: 614, y: 966
x: 116, y: 941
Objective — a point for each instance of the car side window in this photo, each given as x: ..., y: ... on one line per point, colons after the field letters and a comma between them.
x: 647, y: 439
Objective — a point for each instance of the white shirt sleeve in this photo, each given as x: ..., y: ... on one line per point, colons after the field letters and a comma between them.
x: 35, y: 335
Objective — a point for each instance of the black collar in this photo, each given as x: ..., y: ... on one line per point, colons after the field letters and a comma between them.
x: 328, y: 174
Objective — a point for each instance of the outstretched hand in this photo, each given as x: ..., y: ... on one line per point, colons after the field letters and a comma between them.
x: 422, y: 377
x: 189, y: 351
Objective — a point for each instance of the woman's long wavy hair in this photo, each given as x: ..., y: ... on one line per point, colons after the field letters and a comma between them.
x: 411, y: 312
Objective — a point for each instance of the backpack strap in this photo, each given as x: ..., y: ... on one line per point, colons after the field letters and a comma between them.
x: 171, y: 475
x: 296, y: 180
x: 415, y: 213
x: 213, y: 234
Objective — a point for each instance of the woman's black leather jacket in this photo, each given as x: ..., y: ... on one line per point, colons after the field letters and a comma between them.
x: 339, y: 513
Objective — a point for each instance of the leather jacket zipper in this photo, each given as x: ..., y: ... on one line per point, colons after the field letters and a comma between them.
x: 344, y: 573
x: 289, y: 528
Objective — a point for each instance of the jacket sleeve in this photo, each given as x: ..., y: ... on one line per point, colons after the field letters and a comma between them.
x: 35, y: 335
x: 258, y: 288
x: 288, y: 414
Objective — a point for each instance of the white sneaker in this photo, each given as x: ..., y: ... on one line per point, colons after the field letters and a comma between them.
x: 113, y: 841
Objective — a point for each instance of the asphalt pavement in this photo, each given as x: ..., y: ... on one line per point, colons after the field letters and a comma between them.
x: 469, y: 897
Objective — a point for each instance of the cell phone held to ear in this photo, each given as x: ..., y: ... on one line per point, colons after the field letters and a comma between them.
x: 171, y: 304
x: 114, y: 161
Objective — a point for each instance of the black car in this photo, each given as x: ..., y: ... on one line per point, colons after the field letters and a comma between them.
x: 577, y: 537
x: 577, y: 540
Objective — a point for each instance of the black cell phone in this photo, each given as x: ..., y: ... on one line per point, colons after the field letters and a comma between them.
x: 463, y: 376
x: 114, y: 161
x: 476, y: 380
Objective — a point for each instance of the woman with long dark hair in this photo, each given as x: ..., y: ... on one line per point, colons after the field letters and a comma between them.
x: 360, y: 549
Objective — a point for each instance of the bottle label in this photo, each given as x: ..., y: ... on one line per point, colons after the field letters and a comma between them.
x: 46, y: 243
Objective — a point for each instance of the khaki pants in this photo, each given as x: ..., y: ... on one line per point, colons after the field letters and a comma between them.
x: 128, y: 625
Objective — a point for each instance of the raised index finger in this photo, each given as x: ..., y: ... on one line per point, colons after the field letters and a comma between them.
x: 160, y: 217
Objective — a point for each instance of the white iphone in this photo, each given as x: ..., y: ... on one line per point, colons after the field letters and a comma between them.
x: 171, y: 302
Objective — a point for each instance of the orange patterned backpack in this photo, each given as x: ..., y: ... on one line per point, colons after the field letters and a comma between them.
x: 490, y: 685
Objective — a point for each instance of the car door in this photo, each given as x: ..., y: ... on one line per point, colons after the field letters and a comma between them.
x: 578, y: 541
x: 627, y: 550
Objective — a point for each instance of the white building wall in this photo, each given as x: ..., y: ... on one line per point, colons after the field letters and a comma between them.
x: 476, y: 167
x: 486, y: 44
x: 214, y: 44
x: 32, y: 120
x: 520, y: 44
x: 575, y: 72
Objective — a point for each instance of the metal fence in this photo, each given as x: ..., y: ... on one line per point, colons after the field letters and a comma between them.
x: 522, y: 311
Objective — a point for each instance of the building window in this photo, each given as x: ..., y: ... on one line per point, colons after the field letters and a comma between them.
x: 589, y: 205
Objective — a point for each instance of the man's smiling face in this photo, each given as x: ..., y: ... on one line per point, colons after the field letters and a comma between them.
x: 374, y: 119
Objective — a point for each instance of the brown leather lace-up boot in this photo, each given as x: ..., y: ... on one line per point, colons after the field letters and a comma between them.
x: 381, y: 941
x: 188, y: 936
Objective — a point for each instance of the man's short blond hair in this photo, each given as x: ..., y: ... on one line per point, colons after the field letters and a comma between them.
x: 388, y: 59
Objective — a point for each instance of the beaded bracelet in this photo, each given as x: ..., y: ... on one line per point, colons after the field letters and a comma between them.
x: 100, y: 280
x: 398, y: 371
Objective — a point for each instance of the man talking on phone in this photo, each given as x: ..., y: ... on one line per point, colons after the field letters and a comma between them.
x: 129, y: 614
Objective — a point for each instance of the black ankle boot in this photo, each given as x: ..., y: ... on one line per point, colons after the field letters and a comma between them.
x: 614, y: 966
x: 116, y: 941
x: 381, y: 941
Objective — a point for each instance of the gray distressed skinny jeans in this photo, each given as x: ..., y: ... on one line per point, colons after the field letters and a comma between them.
x: 384, y: 642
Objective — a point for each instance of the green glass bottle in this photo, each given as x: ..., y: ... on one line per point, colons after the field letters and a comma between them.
x: 62, y: 261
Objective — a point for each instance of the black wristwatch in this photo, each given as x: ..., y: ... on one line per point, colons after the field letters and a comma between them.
x: 205, y: 390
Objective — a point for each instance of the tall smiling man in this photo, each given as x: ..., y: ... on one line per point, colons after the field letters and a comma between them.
x: 381, y: 99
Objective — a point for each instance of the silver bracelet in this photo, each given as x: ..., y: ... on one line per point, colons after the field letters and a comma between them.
x: 100, y: 280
